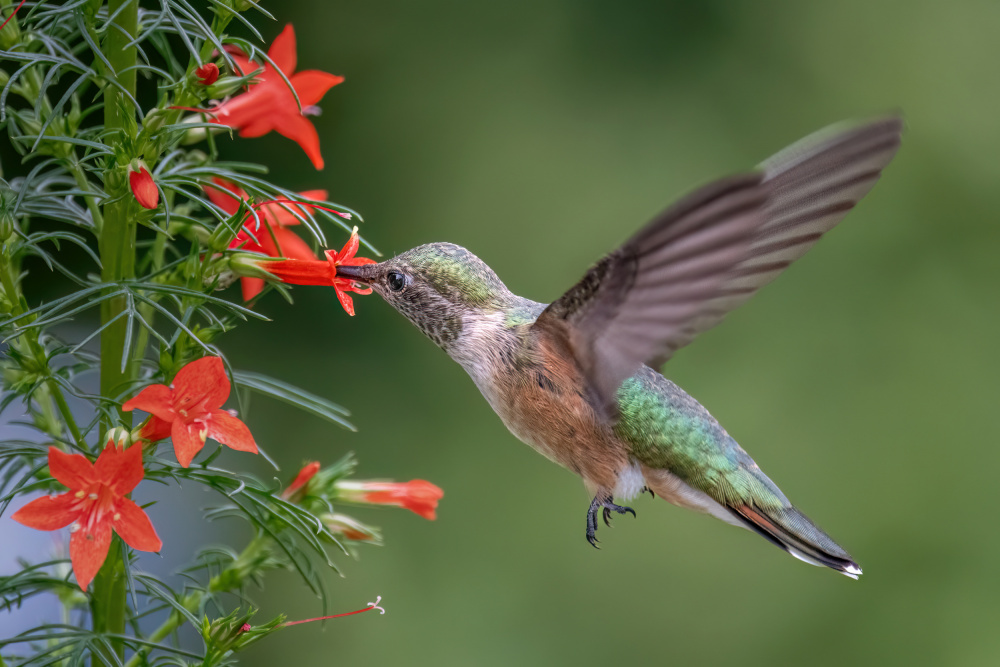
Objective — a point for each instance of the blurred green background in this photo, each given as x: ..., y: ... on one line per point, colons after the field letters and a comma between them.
x: 541, y: 134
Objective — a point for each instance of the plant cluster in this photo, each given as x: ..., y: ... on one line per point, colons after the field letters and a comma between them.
x: 115, y: 110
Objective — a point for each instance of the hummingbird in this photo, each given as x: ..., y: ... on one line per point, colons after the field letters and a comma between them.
x: 576, y: 379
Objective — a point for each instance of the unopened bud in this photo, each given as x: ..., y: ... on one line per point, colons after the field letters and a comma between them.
x: 249, y: 265
x: 120, y: 437
x: 6, y: 224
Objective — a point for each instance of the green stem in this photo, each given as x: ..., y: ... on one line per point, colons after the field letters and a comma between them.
x: 81, y: 179
x: 117, y: 249
x: 64, y: 410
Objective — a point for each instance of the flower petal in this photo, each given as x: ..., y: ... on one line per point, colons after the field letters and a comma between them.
x: 188, y: 441
x: 225, y: 195
x: 350, y: 248
x: 48, y: 513
x: 201, y: 386
x: 311, y: 85
x: 245, y: 109
x: 251, y: 287
x: 120, y: 470
x: 282, y: 52
x: 243, y: 64
x: 74, y: 471
x: 133, y: 526
x: 256, y: 126
x: 300, y: 129
x: 291, y: 245
x: 345, y: 300
x: 230, y: 431
x: 300, y: 271
x: 284, y: 213
x: 88, y: 551
x: 156, y: 399
x: 155, y: 429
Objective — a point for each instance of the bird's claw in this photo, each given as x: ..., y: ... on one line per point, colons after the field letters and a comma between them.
x: 607, y: 506
x: 616, y: 508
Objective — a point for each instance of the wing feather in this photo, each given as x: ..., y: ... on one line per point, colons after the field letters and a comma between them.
x: 711, y: 251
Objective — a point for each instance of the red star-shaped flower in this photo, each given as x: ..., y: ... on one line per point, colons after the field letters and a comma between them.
x: 95, y: 505
x: 269, y: 105
x: 269, y: 238
x: 189, y: 410
x: 318, y: 272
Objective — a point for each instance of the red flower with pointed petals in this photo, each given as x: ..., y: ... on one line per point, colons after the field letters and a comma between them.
x: 207, y: 74
x: 269, y: 105
x: 96, y: 505
x: 144, y: 188
x: 318, y: 272
x: 418, y: 496
x: 271, y: 238
x: 192, y: 407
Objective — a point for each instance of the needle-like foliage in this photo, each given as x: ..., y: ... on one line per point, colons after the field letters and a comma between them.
x: 119, y: 366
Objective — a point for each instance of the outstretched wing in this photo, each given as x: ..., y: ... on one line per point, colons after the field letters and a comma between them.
x: 710, y: 252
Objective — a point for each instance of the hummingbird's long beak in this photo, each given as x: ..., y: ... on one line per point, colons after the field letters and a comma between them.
x: 358, y: 273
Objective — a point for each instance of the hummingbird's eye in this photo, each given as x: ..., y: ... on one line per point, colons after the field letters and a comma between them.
x: 396, y: 280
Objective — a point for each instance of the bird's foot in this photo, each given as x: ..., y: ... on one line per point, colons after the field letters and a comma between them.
x: 603, y: 503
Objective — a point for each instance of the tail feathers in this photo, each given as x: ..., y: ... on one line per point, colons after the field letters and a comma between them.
x: 792, y: 530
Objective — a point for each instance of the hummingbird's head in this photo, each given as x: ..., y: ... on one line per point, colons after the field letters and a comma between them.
x: 437, y: 286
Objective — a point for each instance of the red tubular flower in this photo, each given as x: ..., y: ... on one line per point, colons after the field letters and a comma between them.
x: 95, y: 505
x: 207, y: 74
x: 418, y: 496
x: 318, y: 272
x: 269, y: 105
x: 298, y: 484
x: 272, y: 238
x: 144, y: 188
x: 192, y: 407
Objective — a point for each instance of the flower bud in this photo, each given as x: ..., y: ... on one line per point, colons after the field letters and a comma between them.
x: 207, y: 74
x: 350, y: 528
x: 250, y: 265
x: 299, y: 486
x: 143, y: 187
x: 119, y: 436
x: 225, y: 86
x: 6, y: 224
x: 419, y: 496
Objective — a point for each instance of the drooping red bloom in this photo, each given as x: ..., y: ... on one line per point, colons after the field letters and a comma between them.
x: 189, y: 410
x: 144, y: 188
x: 95, y: 505
x: 298, y: 484
x: 207, y: 74
x: 269, y: 105
x: 319, y: 272
x: 269, y: 238
x: 418, y: 495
